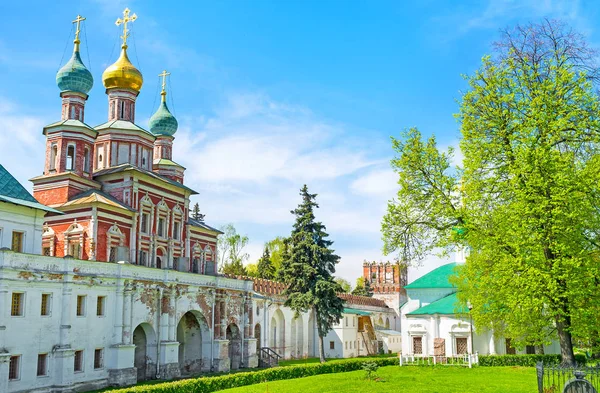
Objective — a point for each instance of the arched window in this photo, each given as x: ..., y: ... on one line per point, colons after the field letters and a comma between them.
x: 86, y: 160
x: 70, y: 157
x: 53, y: 155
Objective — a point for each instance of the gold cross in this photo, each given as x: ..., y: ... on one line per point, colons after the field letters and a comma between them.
x: 164, y: 75
x: 126, y: 19
x: 78, y: 20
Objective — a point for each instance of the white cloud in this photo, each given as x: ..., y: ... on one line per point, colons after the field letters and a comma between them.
x: 383, y: 182
x: 22, y: 146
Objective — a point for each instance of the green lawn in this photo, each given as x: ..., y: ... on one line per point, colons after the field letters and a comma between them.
x: 410, y: 380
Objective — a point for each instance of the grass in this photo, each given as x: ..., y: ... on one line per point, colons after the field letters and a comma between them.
x: 409, y: 380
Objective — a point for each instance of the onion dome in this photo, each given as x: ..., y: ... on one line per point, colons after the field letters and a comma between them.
x: 122, y: 74
x: 73, y: 76
x: 162, y: 122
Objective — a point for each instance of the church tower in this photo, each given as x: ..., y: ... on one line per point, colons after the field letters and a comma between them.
x: 69, y: 142
x: 120, y: 141
x: 164, y: 125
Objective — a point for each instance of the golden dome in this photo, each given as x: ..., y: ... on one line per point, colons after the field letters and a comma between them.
x: 122, y: 74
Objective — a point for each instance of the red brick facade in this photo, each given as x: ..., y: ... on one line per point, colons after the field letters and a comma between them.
x: 117, y: 206
x: 385, y: 277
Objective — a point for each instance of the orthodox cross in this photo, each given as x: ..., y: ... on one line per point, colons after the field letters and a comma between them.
x: 164, y: 75
x: 126, y: 19
x: 78, y: 20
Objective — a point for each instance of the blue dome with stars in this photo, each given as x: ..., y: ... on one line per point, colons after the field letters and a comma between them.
x: 163, y: 123
x: 73, y: 76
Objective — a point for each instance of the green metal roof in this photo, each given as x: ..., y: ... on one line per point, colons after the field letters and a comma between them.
x: 355, y: 311
x: 447, y: 305
x: 121, y: 125
x: 70, y: 122
x: 164, y: 161
x: 438, y: 278
x: 12, y: 191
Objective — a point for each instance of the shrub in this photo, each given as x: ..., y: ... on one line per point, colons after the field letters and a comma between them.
x: 213, y: 384
x: 370, y: 369
x: 523, y: 360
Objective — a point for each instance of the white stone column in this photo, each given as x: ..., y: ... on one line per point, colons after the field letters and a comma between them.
x: 127, y: 335
x: 172, y: 314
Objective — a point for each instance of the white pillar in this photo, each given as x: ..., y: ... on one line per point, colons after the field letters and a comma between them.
x: 492, y: 343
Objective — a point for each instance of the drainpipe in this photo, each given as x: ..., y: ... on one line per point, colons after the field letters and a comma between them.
x: 160, y: 295
x: 244, y: 326
x: 212, y: 332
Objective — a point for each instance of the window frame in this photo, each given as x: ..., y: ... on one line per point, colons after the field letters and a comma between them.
x: 21, y: 311
x: 16, y: 374
x: 45, y: 365
x: 73, y: 158
x: 80, y: 308
x: 46, y: 306
x: 101, y: 306
x: 21, y: 241
x: 331, y: 345
x: 78, y: 354
x: 98, y: 358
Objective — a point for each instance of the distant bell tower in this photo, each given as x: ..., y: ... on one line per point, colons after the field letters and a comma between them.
x: 69, y: 142
x: 387, y: 280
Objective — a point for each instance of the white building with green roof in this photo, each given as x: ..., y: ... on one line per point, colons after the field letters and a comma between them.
x: 434, y: 323
x: 21, y: 216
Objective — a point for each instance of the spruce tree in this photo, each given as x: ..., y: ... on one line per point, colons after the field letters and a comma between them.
x: 308, y: 267
x: 196, y: 215
x: 363, y: 288
x: 265, y: 268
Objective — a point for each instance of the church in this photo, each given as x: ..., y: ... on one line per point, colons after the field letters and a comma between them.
x: 121, y: 194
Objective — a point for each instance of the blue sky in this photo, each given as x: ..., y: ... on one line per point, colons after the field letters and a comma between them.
x: 270, y: 95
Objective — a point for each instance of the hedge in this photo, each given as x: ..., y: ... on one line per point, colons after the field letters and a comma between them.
x: 213, y: 384
x: 523, y: 360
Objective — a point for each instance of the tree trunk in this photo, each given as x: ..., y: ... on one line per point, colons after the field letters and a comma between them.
x: 539, y: 349
x: 566, y: 343
x: 321, y: 346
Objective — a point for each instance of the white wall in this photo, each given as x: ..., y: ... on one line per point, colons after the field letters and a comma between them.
x: 21, y: 219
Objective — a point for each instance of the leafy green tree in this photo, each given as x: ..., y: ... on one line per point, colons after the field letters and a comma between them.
x: 230, y: 251
x: 363, y: 288
x: 251, y: 270
x: 307, y: 268
x: 528, y: 199
x: 275, y: 248
x: 344, y: 284
x: 265, y: 268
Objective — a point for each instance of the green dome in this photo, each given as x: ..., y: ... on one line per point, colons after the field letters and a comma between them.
x: 73, y: 76
x: 163, y: 122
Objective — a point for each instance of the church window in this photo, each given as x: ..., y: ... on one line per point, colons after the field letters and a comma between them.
x: 86, y: 160
x: 461, y: 345
x: 70, y: 157
x: 530, y: 350
x: 112, y: 110
x: 16, y: 307
x: 143, y: 258
x: 417, y: 343
x: 17, y: 241
x: 45, y: 306
x: 112, y: 255
x: 81, y: 305
x: 176, y: 230
x: 331, y: 344
x: 53, y: 155
x: 144, y: 223
x: 42, y: 365
x: 161, y: 227
x: 78, y: 361
x: 122, y: 110
x: 74, y: 249
x: 46, y: 251
x: 346, y: 318
x: 13, y: 367
x: 72, y: 112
